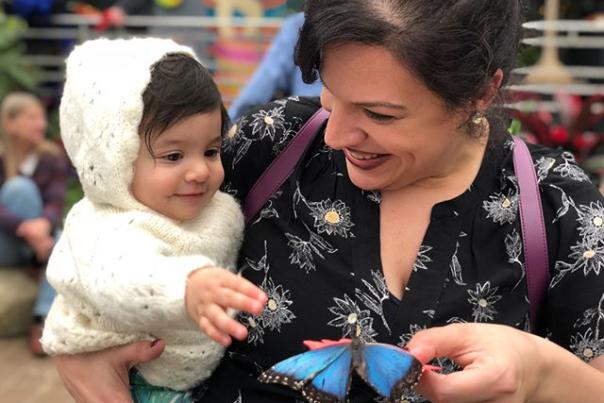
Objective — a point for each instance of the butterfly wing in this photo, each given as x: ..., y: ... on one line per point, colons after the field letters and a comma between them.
x: 332, y: 383
x: 388, y: 369
x: 322, y: 375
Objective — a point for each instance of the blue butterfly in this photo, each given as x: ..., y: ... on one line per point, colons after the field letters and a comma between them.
x: 323, y: 374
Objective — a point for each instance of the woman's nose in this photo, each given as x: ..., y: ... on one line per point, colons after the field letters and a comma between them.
x: 342, y: 130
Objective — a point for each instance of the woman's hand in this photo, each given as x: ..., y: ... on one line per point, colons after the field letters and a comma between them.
x: 500, y: 363
x: 103, y: 376
x: 211, y: 292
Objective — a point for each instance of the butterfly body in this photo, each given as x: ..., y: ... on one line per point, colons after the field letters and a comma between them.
x: 323, y: 375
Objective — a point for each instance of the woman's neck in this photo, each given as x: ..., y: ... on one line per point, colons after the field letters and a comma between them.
x: 454, y: 175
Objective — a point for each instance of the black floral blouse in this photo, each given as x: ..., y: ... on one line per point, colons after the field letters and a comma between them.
x: 315, y: 250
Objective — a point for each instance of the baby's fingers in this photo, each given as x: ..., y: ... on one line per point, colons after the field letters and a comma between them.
x: 224, y: 323
x: 229, y: 298
x: 242, y: 286
x: 213, y: 333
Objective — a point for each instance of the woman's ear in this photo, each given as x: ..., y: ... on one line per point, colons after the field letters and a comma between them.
x: 491, y: 91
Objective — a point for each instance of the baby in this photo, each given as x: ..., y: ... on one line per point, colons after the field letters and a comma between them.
x: 142, y: 122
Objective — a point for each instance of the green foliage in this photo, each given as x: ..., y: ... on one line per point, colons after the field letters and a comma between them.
x: 515, y: 127
x: 15, y: 72
x: 73, y: 195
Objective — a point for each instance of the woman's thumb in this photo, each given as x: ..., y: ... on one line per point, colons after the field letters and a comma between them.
x: 142, y: 351
x: 435, y: 342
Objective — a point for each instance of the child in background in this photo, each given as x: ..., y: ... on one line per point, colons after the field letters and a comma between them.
x: 32, y: 194
x: 142, y: 122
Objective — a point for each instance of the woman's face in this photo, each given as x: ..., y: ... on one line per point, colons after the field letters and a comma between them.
x: 392, y: 129
x: 27, y: 127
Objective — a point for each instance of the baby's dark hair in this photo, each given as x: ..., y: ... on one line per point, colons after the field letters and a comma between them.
x: 180, y: 87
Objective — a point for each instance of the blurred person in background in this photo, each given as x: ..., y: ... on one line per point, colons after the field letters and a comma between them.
x: 277, y: 76
x: 32, y: 193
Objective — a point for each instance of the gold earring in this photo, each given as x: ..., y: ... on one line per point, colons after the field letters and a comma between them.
x: 479, y: 119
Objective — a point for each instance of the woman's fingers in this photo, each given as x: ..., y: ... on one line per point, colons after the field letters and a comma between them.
x: 135, y: 353
x: 500, y: 364
x: 103, y: 376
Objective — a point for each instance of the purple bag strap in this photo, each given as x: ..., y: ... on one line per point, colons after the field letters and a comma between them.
x: 282, y: 166
x: 533, y: 230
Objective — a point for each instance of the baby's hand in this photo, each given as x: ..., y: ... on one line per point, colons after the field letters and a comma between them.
x: 211, y: 292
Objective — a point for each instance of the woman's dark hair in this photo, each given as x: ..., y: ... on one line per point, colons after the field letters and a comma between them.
x: 453, y: 46
x: 180, y: 87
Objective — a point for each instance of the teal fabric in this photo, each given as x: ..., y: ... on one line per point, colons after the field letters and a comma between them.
x: 143, y: 392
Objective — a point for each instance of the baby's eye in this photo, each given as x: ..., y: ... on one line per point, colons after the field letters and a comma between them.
x: 173, y: 157
x: 212, y: 152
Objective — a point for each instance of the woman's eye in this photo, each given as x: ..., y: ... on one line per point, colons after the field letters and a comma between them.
x: 212, y: 152
x: 378, y: 116
x: 173, y: 157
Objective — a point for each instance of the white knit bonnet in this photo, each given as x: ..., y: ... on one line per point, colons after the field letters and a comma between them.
x: 101, y: 110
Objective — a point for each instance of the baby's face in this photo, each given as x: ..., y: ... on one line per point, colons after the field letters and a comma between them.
x: 185, y: 170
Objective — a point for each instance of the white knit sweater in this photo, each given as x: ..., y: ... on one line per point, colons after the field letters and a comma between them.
x: 120, y: 269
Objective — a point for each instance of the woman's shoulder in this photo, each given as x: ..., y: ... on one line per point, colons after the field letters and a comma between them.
x: 258, y: 137
x: 275, y: 119
x: 558, y: 167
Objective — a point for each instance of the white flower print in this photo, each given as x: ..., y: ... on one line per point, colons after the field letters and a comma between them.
x: 265, y: 123
x: 591, y: 220
x: 455, y: 267
x: 569, y: 169
x: 543, y: 166
x: 290, y: 129
x: 255, y: 330
x: 483, y: 298
x: 373, y: 196
x: 261, y: 264
x: 237, y: 140
x: 269, y: 211
x: 456, y: 319
x: 565, y: 201
x: 228, y: 188
x: 513, y: 248
x: 323, y: 150
x: 276, y: 311
x: 587, y: 346
x: 303, y: 251
x: 405, y: 337
x: 502, y: 208
x: 422, y: 258
x: 509, y: 144
x: 589, y: 255
x: 351, y: 318
x: 408, y: 396
x: 374, y: 299
x: 332, y: 217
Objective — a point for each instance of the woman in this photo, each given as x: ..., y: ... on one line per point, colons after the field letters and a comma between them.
x: 32, y: 192
x: 403, y: 215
